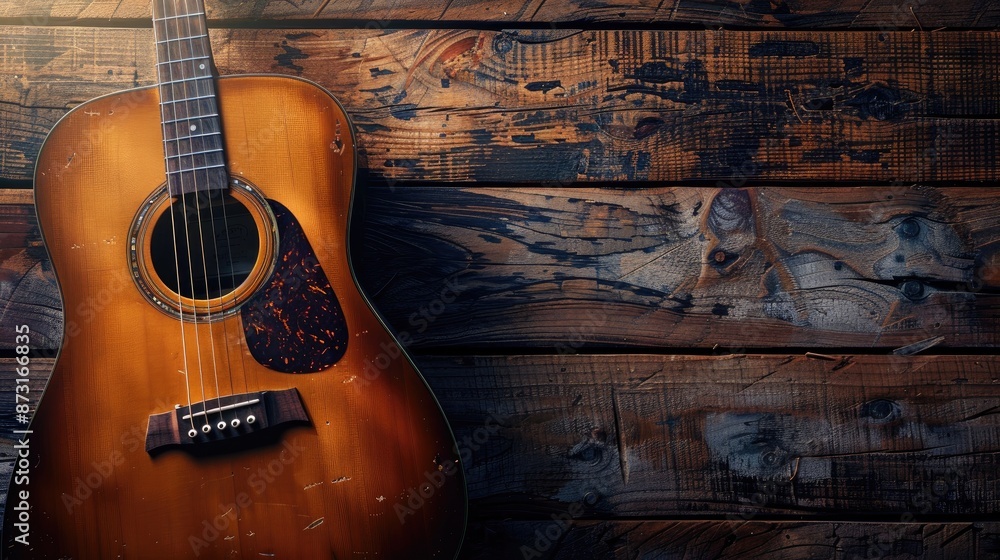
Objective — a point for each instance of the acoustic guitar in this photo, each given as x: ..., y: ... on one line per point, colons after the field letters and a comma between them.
x: 223, y: 388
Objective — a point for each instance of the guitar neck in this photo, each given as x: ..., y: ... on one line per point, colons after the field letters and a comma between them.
x: 192, y: 130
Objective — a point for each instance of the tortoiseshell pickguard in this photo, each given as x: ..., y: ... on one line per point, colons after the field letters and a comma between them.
x: 294, y: 324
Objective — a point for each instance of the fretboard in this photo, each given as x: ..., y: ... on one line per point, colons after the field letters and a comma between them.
x: 192, y: 131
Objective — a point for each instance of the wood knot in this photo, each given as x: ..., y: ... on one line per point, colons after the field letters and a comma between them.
x: 503, y: 43
x: 881, y: 103
x: 647, y: 127
x: 731, y: 212
x: 773, y: 458
x: 459, y: 48
x: 589, y: 452
x: 912, y: 289
x: 880, y: 410
x: 909, y: 228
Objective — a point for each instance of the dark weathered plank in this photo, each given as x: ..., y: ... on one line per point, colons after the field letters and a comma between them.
x: 684, y: 267
x: 553, y: 539
x: 565, y: 106
x: 657, y: 267
x: 741, y: 435
x: 28, y: 291
x: 746, y: 437
x: 878, y: 14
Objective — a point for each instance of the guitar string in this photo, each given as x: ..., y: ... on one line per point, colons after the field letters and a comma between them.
x: 184, y: 211
x: 190, y: 33
x: 170, y: 177
x: 229, y: 254
x: 232, y: 277
x: 203, y: 20
x: 200, y: 101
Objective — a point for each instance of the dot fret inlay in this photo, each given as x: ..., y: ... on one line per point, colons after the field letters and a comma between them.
x: 192, y: 141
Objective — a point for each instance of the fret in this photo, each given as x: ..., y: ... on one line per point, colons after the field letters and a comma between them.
x: 198, y: 153
x: 179, y: 16
x: 190, y: 118
x: 179, y: 50
x: 172, y: 39
x: 186, y: 99
x: 192, y: 130
x: 182, y: 80
x: 188, y: 91
x: 196, y: 169
x: 181, y: 129
x: 182, y: 60
x: 198, y: 147
x: 189, y: 137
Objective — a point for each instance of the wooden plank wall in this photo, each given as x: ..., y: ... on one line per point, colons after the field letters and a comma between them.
x: 714, y: 279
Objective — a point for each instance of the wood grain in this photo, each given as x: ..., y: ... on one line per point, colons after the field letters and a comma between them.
x: 568, y: 269
x: 858, y: 429
x: 563, y: 106
x: 710, y: 540
x: 572, y: 269
x: 878, y: 14
x: 750, y: 437
x: 646, y: 436
x: 28, y: 293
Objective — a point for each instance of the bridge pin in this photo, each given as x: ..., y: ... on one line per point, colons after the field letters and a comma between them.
x: 251, y: 419
x: 221, y: 425
x: 235, y: 423
x: 192, y: 433
x: 206, y: 428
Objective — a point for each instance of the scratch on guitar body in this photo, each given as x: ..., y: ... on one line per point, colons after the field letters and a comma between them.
x: 92, y: 113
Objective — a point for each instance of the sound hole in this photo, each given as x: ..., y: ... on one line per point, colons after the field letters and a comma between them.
x: 205, y: 245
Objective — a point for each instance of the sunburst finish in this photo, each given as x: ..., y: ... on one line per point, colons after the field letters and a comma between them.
x: 373, y: 474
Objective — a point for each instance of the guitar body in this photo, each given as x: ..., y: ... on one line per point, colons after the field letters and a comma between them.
x: 371, y: 472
